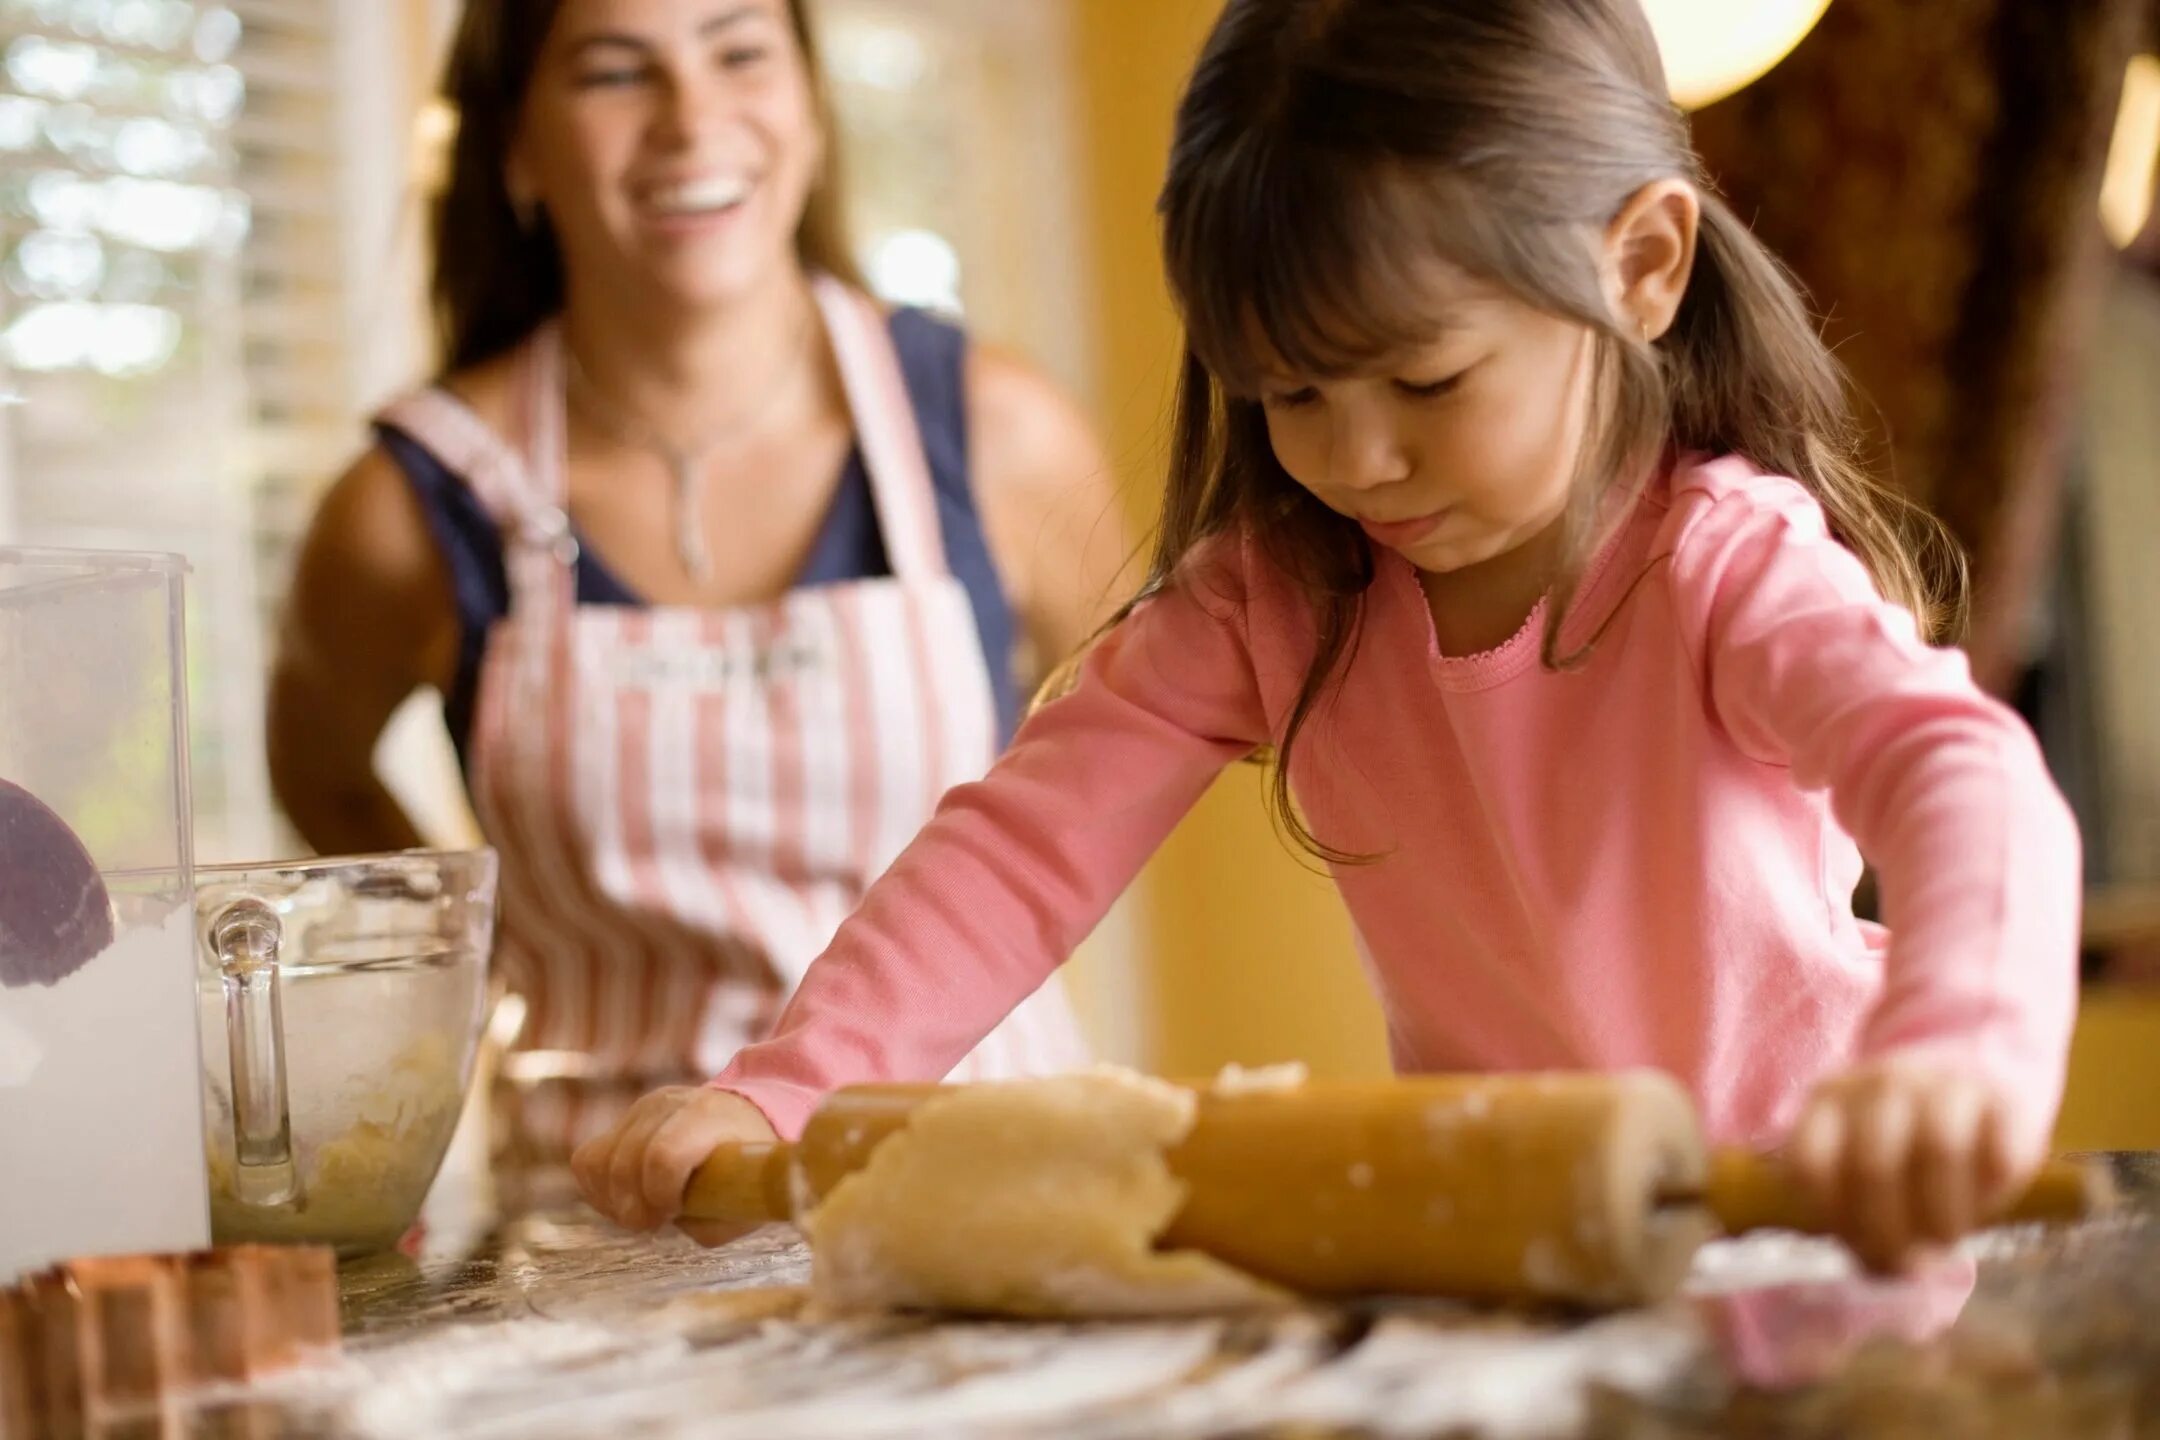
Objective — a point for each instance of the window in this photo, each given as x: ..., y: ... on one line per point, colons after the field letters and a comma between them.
x: 122, y: 223
x: 203, y: 207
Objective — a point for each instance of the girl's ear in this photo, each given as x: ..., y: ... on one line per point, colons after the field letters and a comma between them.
x: 1648, y: 254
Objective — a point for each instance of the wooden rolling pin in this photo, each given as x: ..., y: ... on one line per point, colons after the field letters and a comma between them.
x: 1591, y: 1189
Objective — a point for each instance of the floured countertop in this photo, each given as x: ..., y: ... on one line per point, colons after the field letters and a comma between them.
x: 551, y: 1325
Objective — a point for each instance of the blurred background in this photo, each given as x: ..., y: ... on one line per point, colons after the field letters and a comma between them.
x: 211, y: 273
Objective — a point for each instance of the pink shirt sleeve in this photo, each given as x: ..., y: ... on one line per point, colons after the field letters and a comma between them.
x: 1016, y: 869
x: 1944, y: 789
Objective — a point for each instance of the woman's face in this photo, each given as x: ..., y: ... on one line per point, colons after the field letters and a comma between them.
x: 671, y: 143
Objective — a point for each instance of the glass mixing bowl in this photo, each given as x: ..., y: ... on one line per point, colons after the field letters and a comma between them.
x: 341, y: 1003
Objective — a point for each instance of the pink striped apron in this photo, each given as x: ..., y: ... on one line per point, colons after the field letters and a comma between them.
x: 688, y: 801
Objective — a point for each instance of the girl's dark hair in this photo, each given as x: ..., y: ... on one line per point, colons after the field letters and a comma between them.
x: 497, y: 278
x: 1327, y: 149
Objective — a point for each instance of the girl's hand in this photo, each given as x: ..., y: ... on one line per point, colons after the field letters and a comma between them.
x: 1907, y: 1154
x: 636, y: 1173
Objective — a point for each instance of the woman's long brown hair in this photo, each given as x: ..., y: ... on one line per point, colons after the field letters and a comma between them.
x: 497, y: 278
x: 1327, y: 150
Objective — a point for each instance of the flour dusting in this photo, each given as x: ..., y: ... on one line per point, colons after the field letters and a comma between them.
x: 1260, y: 1080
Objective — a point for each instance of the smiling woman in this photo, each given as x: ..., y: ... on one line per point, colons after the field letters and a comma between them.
x: 721, y: 567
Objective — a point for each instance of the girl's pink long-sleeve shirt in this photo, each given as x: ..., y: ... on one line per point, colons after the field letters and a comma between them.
x: 1648, y: 861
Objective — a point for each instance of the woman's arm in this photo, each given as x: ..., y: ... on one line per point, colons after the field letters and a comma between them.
x: 1050, y: 505
x: 368, y: 620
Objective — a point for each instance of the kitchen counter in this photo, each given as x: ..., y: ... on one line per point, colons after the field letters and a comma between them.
x: 548, y: 1325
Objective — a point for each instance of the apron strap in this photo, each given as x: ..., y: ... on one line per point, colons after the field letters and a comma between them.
x: 470, y: 449
x: 520, y: 493
x: 892, y: 447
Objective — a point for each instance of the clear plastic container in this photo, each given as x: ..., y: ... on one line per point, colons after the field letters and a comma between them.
x: 99, y: 1063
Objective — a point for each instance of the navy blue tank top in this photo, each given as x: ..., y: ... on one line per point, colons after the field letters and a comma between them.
x: 848, y: 545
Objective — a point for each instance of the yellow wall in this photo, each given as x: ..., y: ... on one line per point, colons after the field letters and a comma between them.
x: 2113, y: 1098
x: 1249, y: 953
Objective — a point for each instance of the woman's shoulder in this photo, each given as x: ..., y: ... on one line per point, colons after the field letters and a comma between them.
x: 370, y: 556
x: 1049, y: 499
x: 1022, y: 420
x: 488, y: 389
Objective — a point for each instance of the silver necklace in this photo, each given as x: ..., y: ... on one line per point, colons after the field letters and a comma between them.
x: 685, y: 463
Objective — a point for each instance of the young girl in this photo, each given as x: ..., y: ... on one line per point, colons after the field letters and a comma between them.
x: 1516, y: 510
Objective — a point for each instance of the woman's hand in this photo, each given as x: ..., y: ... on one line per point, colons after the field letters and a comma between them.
x: 636, y: 1173
x: 1906, y: 1155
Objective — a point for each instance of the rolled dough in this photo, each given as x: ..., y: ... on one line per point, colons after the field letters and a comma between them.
x: 1035, y: 1198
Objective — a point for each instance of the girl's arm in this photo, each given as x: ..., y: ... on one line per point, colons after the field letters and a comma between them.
x: 1006, y: 879
x: 1947, y: 795
x: 1015, y: 870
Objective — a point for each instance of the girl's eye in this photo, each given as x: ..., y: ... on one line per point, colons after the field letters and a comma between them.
x: 1292, y: 399
x: 1429, y: 389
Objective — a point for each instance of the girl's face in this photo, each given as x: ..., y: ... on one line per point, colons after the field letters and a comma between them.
x: 674, y: 142
x: 1454, y: 452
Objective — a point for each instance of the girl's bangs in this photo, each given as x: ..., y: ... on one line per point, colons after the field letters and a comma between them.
x: 1292, y: 262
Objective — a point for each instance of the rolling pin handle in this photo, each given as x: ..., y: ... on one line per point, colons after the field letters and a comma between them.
x: 746, y: 1184
x: 1752, y: 1192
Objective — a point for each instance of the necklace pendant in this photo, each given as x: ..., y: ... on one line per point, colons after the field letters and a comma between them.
x: 690, y: 520
x: 694, y: 558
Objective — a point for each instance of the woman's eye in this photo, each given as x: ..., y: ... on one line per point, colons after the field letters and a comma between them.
x: 600, y: 79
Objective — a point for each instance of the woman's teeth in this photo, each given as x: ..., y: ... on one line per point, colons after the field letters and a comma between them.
x: 700, y: 197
